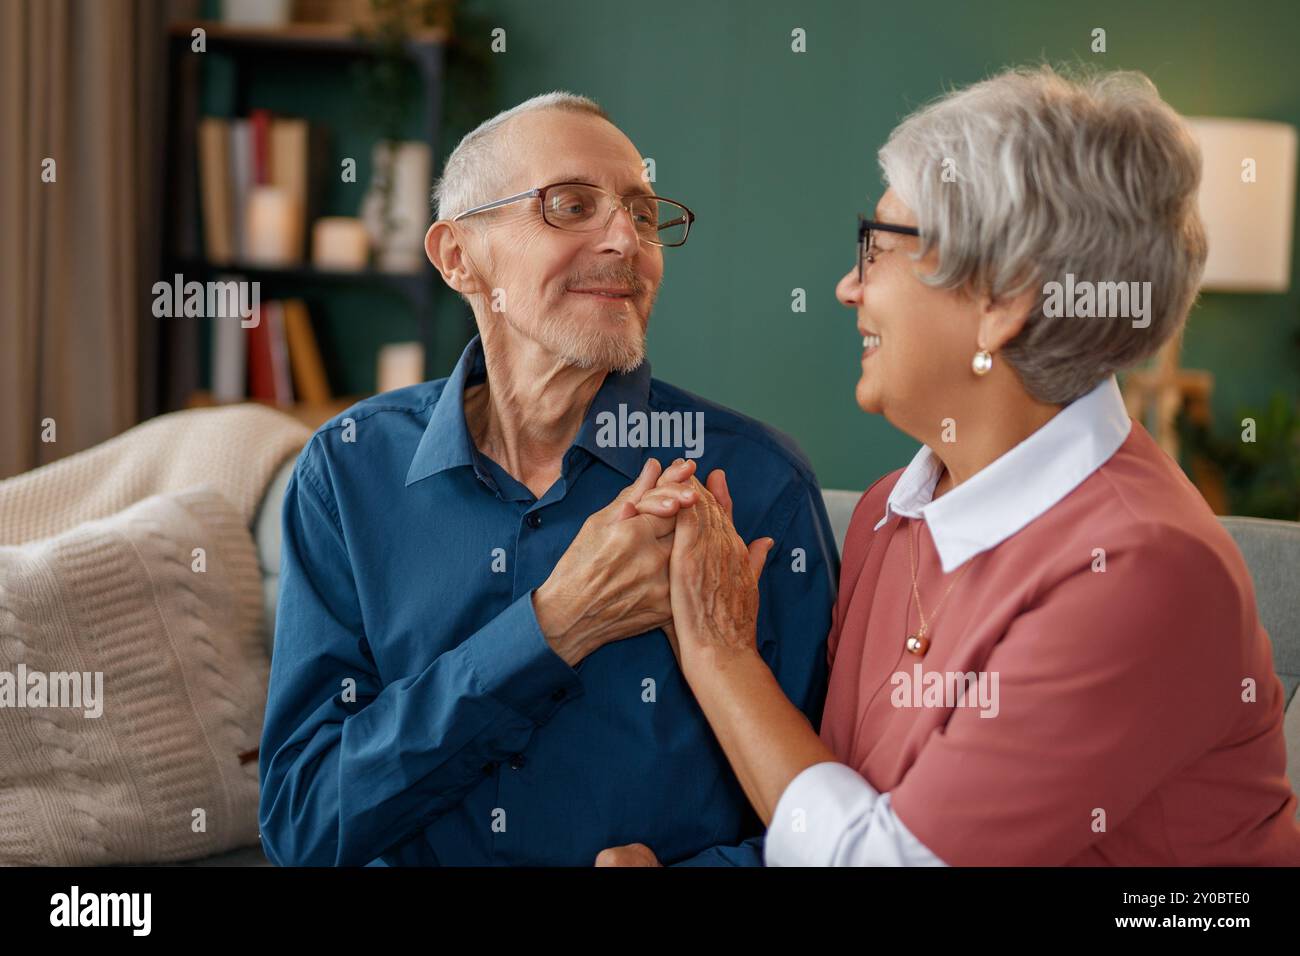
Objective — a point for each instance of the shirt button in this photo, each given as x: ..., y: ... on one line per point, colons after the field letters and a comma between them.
x: 559, y: 695
x: 517, y: 762
x: 534, y: 520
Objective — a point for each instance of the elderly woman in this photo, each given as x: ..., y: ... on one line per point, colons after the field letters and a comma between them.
x: 1045, y: 648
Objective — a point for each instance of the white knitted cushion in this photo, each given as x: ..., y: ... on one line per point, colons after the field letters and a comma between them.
x: 168, y: 771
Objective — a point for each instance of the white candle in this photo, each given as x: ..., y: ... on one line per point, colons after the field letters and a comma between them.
x: 339, y: 242
x: 270, y: 226
x: 400, y: 364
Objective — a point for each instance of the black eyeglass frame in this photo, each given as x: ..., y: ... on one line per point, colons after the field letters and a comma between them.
x: 866, y: 227
x: 539, y: 193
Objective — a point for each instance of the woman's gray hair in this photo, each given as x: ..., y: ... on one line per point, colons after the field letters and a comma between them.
x: 477, y: 166
x: 1030, y: 176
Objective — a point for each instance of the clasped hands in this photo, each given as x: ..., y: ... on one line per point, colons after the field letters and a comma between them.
x: 663, y: 554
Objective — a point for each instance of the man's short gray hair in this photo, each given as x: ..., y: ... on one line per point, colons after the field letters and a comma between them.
x: 1029, y: 176
x: 476, y: 167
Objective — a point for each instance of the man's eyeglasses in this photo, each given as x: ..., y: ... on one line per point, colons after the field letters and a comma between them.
x: 866, y: 243
x: 576, y: 207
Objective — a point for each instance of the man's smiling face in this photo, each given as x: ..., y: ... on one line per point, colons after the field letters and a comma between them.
x: 585, y: 296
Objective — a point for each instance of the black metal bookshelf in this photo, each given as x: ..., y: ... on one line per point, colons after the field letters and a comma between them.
x: 306, y: 47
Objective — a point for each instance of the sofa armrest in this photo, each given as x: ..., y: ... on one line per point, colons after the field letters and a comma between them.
x: 266, y: 533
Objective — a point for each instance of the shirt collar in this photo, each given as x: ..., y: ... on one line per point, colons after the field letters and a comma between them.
x: 446, y: 441
x: 1005, y: 496
x: 630, y: 389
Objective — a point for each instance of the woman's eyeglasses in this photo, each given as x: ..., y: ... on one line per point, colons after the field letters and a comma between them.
x: 577, y: 207
x: 865, y: 242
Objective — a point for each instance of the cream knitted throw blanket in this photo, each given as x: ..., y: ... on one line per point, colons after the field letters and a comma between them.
x: 236, y: 449
x: 100, y: 575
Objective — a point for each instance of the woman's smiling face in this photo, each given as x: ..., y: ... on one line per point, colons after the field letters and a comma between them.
x: 917, y: 340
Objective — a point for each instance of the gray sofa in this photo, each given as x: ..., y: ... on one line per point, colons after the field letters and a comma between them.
x: 1271, y: 549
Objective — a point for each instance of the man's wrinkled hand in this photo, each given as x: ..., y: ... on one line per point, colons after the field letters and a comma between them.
x: 612, y: 582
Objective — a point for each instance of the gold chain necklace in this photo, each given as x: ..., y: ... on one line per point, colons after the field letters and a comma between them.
x: 919, y: 642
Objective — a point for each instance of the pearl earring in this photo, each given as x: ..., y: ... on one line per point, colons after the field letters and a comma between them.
x: 982, y: 362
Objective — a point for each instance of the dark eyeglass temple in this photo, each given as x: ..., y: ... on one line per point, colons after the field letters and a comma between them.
x: 864, y: 233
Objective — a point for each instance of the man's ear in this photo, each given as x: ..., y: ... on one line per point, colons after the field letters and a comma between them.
x: 1002, y: 319
x: 442, y: 244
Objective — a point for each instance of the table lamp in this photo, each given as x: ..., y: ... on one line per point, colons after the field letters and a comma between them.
x: 1247, y: 202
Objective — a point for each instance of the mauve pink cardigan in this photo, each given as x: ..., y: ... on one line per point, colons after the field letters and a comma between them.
x: 1126, y: 730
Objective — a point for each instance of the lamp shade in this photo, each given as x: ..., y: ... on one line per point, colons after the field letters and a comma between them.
x: 1247, y: 201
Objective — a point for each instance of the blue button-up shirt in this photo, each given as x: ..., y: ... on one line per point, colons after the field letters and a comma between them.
x: 416, y: 714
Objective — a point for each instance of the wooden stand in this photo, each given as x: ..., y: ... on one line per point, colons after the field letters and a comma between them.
x: 1154, y: 396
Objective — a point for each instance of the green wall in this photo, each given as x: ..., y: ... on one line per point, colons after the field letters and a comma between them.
x: 735, y: 120
x: 776, y: 153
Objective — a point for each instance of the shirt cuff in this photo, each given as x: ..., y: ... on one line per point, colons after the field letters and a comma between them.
x: 830, y: 816
x: 514, y: 664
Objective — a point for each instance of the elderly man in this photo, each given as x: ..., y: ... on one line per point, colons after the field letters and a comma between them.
x: 471, y: 663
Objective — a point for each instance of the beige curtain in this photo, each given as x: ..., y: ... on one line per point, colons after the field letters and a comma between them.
x: 80, y: 84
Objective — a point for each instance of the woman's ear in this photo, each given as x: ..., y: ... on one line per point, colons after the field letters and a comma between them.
x: 1002, y: 319
x: 442, y: 244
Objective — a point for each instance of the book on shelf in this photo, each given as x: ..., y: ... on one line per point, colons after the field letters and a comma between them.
x: 276, y: 359
x: 259, y: 132
x: 261, y: 380
x: 280, y: 378
x: 288, y: 169
x: 214, y: 187
x: 241, y: 182
x: 229, y: 358
x: 309, y: 379
x: 236, y: 155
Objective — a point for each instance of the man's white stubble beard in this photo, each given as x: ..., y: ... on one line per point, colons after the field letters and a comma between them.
x: 585, y: 346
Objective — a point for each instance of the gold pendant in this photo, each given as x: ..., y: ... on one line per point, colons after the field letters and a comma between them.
x: 918, y: 644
